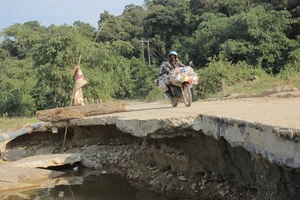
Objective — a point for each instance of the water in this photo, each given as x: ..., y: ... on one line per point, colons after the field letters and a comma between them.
x: 93, y: 187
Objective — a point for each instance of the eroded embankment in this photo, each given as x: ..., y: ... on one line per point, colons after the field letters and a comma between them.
x: 193, y: 157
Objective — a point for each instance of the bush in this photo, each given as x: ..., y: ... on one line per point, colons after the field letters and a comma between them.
x: 154, y: 95
x: 210, y: 77
x: 16, y: 104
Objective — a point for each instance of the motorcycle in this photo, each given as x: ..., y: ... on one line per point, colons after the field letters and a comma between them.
x: 180, y: 93
x: 177, y: 85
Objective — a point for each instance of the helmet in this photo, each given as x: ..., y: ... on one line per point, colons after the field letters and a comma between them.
x: 173, y: 53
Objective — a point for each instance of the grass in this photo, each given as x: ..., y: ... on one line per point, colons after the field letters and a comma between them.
x: 251, y: 87
x: 18, y: 122
x: 261, y: 85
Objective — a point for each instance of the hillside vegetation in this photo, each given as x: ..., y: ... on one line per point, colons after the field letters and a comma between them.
x: 234, y: 40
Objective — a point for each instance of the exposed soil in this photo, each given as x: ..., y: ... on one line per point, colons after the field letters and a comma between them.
x: 194, y: 167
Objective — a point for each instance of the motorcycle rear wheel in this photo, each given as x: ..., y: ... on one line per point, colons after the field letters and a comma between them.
x: 187, y: 96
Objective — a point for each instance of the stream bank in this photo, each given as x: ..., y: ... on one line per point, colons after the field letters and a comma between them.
x: 191, y: 166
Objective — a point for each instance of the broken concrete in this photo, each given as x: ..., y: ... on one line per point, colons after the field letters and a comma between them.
x: 22, y: 174
x: 44, y: 161
x: 12, y: 177
x: 221, y: 153
x: 53, y: 160
x: 277, y: 144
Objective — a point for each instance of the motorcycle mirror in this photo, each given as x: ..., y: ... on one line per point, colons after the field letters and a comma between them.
x: 190, y: 63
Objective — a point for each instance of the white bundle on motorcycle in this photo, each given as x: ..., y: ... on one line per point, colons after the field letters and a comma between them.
x: 183, y: 74
x: 163, y: 81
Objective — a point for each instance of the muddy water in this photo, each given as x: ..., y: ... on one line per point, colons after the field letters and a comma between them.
x: 94, y: 187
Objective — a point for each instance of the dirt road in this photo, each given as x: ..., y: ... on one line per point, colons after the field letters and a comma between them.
x: 281, y: 112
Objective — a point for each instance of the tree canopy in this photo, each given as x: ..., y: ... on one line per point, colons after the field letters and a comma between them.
x: 37, y: 61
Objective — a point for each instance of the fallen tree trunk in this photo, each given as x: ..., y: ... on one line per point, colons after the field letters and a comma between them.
x: 78, y: 112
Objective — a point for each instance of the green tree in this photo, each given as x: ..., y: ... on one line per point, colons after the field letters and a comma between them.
x: 257, y: 37
x: 134, y: 14
x: 85, y: 29
x: 294, y: 8
x: 211, y: 33
x: 166, y: 3
x: 115, y: 28
x: 260, y: 38
x: 232, y: 7
x: 4, y: 54
x: 20, y: 39
x: 165, y: 22
x: 16, y: 82
x: 143, y: 77
x: 198, y: 7
x: 55, y: 57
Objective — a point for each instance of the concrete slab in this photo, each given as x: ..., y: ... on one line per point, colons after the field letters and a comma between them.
x: 264, y: 126
x: 44, y: 161
x: 12, y: 177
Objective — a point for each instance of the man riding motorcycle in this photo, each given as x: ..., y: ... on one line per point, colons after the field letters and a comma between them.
x: 167, y: 67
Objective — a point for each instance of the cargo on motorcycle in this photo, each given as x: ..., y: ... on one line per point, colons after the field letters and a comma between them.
x: 176, y: 80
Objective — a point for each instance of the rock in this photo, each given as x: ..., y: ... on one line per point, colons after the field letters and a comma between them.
x: 128, y: 154
x: 222, y: 193
x: 194, y: 186
x: 61, y: 194
x: 220, y: 185
x: 44, y: 151
x: 75, y: 169
x: 182, y: 178
x: 207, y: 175
x: 170, y: 187
x: 169, y: 175
x: 90, y: 163
x: 151, y: 182
x: 13, y: 155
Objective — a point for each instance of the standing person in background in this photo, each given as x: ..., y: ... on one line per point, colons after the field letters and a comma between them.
x: 80, y: 81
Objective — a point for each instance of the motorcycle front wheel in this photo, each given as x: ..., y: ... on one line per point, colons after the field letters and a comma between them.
x: 187, y: 96
x: 174, y: 103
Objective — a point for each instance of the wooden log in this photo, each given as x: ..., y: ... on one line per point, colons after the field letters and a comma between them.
x: 58, y: 114
x: 78, y: 112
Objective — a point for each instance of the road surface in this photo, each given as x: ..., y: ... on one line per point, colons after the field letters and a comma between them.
x: 281, y: 112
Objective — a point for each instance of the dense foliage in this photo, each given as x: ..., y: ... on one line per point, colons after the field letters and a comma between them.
x: 229, y: 39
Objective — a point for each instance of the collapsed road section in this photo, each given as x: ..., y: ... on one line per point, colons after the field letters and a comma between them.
x: 178, y: 152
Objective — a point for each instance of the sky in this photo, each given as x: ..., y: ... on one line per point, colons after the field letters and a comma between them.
x: 59, y: 12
